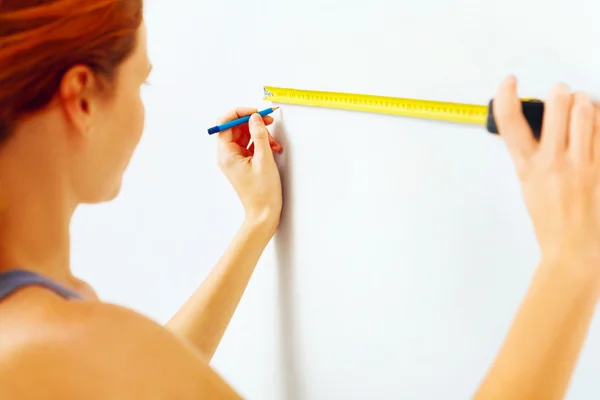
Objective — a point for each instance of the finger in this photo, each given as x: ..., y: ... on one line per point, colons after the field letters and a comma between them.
x: 511, y: 122
x: 260, y: 137
x: 227, y: 135
x: 555, y: 123
x: 275, y: 145
x: 581, y: 130
x: 244, y: 139
x: 251, y: 148
x: 241, y: 133
x: 245, y: 128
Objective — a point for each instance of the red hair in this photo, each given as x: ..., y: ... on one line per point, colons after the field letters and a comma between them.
x: 41, y: 39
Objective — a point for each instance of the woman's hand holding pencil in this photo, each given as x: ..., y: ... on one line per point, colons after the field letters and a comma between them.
x: 245, y: 155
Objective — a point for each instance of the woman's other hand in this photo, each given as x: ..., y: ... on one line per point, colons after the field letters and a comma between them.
x: 560, y: 174
x: 560, y: 179
x: 252, y: 171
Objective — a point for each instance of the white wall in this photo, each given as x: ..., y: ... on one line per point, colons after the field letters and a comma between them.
x: 404, y: 248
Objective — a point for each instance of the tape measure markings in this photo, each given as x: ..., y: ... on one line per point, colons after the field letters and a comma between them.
x: 437, y: 110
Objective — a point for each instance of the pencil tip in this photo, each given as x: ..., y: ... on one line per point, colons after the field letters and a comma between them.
x: 275, y: 108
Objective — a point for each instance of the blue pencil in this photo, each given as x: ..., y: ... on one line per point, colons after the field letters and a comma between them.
x: 238, y: 121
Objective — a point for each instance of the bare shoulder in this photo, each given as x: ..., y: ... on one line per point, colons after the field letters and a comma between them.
x: 97, y: 351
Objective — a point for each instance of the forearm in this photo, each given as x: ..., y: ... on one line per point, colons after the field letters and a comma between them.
x: 204, y: 318
x: 539, y: 354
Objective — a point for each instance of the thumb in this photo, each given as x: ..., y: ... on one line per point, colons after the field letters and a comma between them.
x: 260, y: 136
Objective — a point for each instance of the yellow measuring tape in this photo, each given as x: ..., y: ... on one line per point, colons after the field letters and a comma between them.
x: 452, y: 112
x: 437, y: 110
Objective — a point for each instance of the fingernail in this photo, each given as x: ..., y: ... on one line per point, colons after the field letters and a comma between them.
x: 255, y: 119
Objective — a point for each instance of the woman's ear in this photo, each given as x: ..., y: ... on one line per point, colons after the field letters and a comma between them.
x: 76, y: 93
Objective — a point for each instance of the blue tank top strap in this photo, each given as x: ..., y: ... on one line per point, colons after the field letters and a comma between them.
x: 13, y: 280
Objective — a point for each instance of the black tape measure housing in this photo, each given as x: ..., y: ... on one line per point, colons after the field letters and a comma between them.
x: 533, y: 110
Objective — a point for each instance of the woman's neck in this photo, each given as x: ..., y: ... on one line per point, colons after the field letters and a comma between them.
x: 35, y: 209
x: 35, y: 239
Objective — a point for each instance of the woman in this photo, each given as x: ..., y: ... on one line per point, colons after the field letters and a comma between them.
x: 70, y: 119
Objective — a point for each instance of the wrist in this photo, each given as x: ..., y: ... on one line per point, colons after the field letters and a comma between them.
x: 583, y: 257
x: 583, y: 272
x: 262, y: 225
